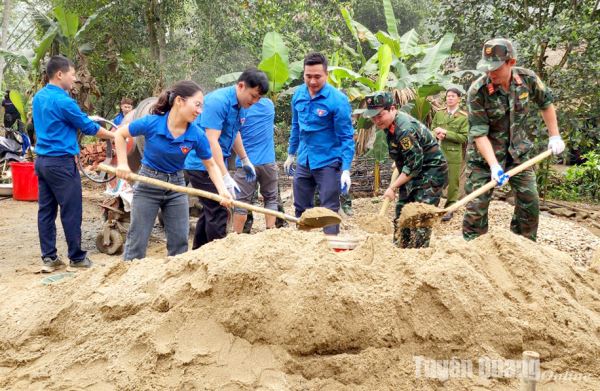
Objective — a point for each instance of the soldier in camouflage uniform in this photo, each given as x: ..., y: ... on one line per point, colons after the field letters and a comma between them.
x: 417, y: 155
x: 499, y: 103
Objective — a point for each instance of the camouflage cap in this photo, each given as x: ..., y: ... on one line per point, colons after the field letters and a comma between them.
x: 495, y: 52
x: 377, y: 102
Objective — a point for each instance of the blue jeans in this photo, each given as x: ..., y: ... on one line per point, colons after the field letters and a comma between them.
x: 59, y: 184
x: 147, y: 200
x: 327, y: 179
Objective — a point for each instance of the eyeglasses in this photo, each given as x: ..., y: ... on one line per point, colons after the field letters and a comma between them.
x: 197, y: 104
x: 496, y: 51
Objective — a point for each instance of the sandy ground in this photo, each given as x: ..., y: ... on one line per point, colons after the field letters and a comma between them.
x: 279, y: 310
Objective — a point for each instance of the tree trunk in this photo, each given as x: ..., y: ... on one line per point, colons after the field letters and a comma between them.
x: 4, y: 39
x: 156, y: 36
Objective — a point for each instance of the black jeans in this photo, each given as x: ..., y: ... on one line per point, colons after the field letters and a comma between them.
x: 212, y: 223
x: 59, y: 185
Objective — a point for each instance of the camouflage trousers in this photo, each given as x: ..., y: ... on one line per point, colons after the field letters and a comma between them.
x: 527, y: 204
x: 427, y: 190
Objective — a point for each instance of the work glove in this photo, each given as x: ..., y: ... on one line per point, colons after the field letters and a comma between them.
x: 288, y: 166
x: 249, y: 169
x: 230, y: 185
x: 556, y: 144
x: 498, y: 175
x: 345, y: 182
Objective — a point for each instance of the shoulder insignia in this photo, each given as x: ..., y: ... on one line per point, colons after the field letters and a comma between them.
x: 524, y: 95
x: 406, y: 143
x: 462, y: 112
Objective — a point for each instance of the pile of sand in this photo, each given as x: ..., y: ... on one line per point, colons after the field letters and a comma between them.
x: 279, y: 310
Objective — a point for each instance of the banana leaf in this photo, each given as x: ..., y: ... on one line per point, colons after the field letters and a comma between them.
x: 276, y: 70
x: 384, y: 54
x: 68, y: 21
x: 228, y: 78
x: 390, y: 18
x: 272, y: 44
x: 436, y: 55
x: 394, y: 44
x: 17, y: 99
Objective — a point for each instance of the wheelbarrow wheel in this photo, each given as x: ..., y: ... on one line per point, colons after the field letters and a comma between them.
x: 115, y: 246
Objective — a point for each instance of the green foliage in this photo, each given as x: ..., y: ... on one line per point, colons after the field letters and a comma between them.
x: 559, y: 40
x: 379, y: 152
x: 20, y: 104
x: 581, y: 181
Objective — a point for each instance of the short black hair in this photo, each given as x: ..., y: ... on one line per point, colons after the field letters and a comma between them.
x: 315, y: 58
x: 58, y: 63
x: 455, y: 90
x: 253, y: 77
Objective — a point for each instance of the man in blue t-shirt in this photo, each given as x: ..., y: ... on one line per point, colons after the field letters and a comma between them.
x: 57, y: 118
x: 222, y: 119
x: 257, y: 135
x: 126, y: 107
x: 322, y: 139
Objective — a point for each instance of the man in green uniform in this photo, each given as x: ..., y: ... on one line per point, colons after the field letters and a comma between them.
x: 451, y: 128
x: 417, y: 155
x: 500, y: 102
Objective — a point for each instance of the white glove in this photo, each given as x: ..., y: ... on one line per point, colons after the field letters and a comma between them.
x: 556, y: 144
x: 231, y: 186
x: 498, y: 175
x: 249, y: 169
x: 345, y: 182
x: 288, y: 166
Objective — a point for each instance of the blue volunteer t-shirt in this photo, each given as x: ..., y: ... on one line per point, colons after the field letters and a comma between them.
x: 257, y: 133
x: 57, y: 117
x: 163, y: 152
x: 322, y: 131
x: 119, y: 119
x: 221, y: 112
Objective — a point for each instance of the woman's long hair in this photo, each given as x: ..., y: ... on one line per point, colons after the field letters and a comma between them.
x: 184, y: 89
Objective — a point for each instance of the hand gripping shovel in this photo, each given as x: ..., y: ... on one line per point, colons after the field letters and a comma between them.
x: 312, y: 218
x: 423, y: 215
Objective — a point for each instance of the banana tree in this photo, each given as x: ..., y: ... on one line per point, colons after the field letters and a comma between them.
x: 275, y: 64
x: 63, y: 33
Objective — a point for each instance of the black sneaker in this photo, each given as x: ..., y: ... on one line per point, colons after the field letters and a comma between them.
x: 84, y: 263
x: 51, y: 264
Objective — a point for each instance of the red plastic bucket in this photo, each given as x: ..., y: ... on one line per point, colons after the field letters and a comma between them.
x: 25, y: 182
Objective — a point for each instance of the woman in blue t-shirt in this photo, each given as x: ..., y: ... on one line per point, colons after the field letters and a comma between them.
x: 170, y: 133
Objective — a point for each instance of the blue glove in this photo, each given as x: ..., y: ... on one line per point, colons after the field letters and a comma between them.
x: 249, y: 169
x: 498, y: 175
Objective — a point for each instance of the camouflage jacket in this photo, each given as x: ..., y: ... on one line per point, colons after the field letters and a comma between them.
x: 502, y: 116
x: 413, y: 147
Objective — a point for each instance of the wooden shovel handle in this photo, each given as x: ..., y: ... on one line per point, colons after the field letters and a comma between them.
x: 386, y: 201
x: 197, y: 192
x: 490, y: 185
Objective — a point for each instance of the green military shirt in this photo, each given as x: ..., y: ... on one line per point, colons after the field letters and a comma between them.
x: 501, y: 115
x: 457, y: 129
x: 412, y: 146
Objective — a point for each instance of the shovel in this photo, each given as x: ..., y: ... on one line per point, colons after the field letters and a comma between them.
x: 423, y: 215
x: 312, y: 218
x: 386, y: 201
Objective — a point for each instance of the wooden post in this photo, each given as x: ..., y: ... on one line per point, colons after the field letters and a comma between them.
x: 531, y: 371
